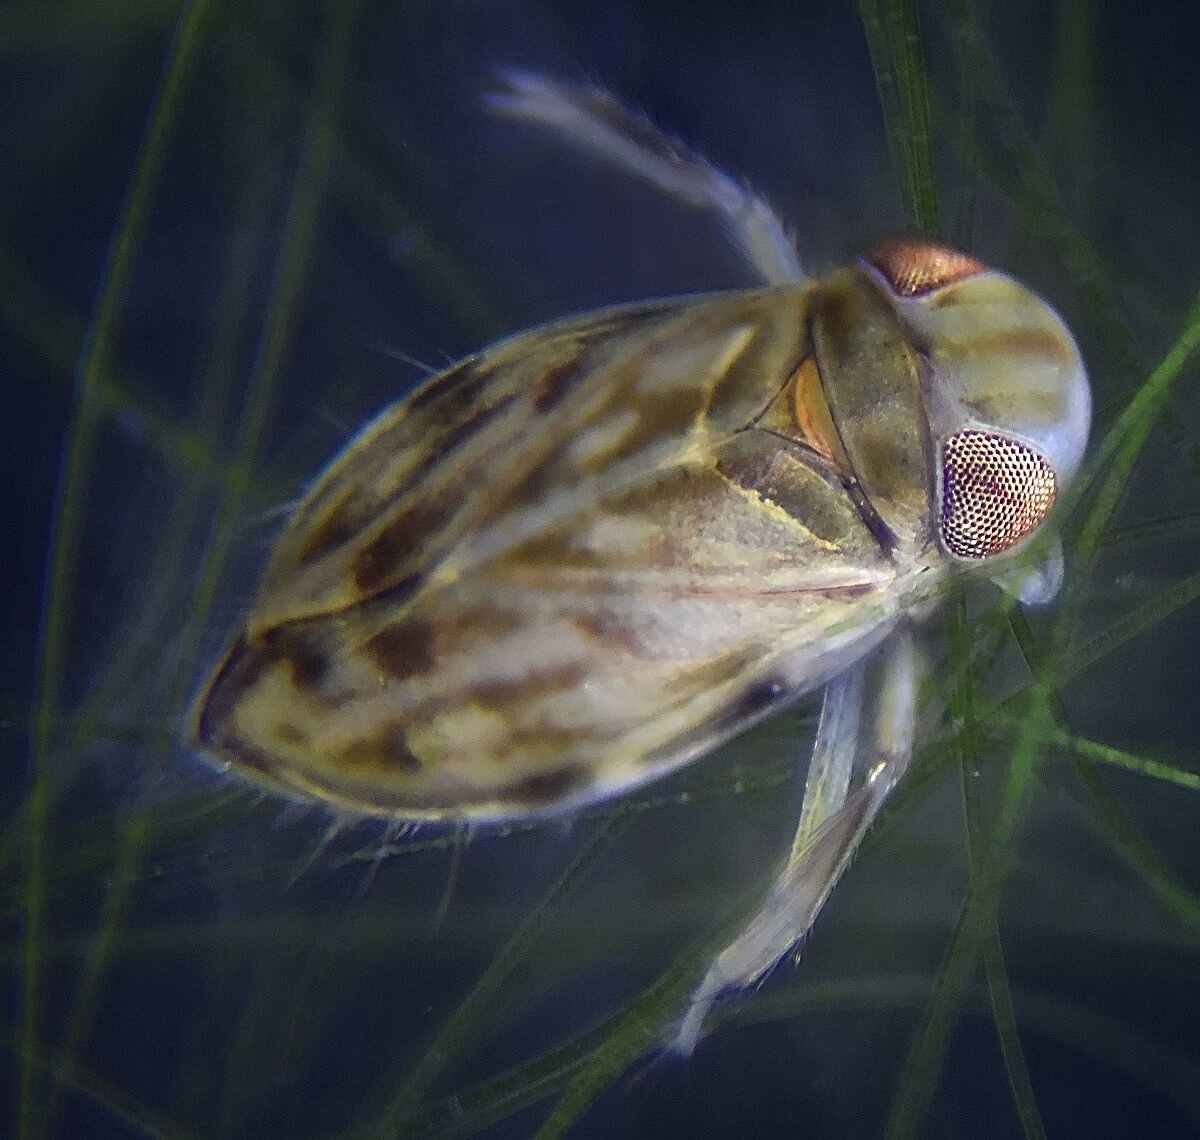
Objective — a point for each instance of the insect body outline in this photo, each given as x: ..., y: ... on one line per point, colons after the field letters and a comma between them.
x: 589, y: 554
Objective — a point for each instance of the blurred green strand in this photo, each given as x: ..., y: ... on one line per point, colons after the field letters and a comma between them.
x: 136, y: 832
x: 1105, y: 815
x: 1071, y: 112
x: 962, y: 708
x: 1145, y: 617
x: 922, y: 1068
x: 366, y: 168
x: 1116, y: 1044
x: 59, y: 339
x: 111, y: 1098
x: 481, y: 1003
x: 33, y: 26
x: 1169, y: 526
x: 1123, y: 442
x: 1131, y: 762
x: 893, y: 34
x: 78, y: 456
x: 1112, y: 461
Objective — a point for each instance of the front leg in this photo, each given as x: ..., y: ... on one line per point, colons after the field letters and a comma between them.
x: 847, y: 785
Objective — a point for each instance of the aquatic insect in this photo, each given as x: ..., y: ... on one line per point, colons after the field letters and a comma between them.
x: 588, y: 554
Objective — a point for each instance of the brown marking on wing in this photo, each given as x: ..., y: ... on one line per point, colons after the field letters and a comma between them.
x: 539, y: 561
x: 385, y: 750
x: 245, y: 662
x: 555, y: 383
x: 464, y: 630
x: 547, y: 788
x: 714, y: 673
x: 340, y: 524
x: 445, y: 446
x: 403, y: 649
x: 376, y: 562
x: 473, y: 424
x: 398, y: 593
x: 289, y: 733
x: 746, y: 705
x: 309, y: 664
x: 503, y: 692
x: 441, y: 384
x: 663, y: 416
x: 603, y: 626
x: 342, y: 521
x: 248, y: 756
x: 239, y: 669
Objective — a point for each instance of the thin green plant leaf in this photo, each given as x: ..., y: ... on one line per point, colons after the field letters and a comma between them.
x: 638, y: 1029
x: 1120, y: 1046
x: 1123, y: 443
x: 58, y: 338
x: 894, y: 38
x: 1128, y: 761
x: 468, y: 1112
x: 370, y: 195
x: 296, y: 242
x: 1071, y: 110
x: 1004, y: 1018
x: 104, y: 1095
x: 922, y: 1067
x: 32, y: 26
x: 1106, y: 816
x: 1169, y: 526
x: 962, y: 705
x: 1038, y: 188
x: 1133, y: 624
x: 461, y: 1027
x: 78, y: 455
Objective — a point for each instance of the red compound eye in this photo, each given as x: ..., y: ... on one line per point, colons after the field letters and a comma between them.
x: 914, y: 268
x: 994, y: 492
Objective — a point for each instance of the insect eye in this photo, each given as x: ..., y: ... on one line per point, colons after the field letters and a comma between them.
x: 913, y: 268
x: 994, y: 492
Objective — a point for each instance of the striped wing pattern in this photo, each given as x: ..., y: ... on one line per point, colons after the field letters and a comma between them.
x: 557, y: 570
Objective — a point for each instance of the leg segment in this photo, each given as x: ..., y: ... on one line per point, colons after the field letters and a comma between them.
x: 847, y: 785
x: 592, y: 120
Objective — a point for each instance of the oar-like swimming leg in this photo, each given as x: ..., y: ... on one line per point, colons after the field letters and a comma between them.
x: 849, y: 778
x: 592, y: 120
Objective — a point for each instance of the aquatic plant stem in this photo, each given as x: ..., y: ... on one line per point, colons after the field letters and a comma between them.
x: 79, y: 450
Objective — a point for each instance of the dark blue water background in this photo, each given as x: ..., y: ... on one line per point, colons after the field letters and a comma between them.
x: 247, y: 996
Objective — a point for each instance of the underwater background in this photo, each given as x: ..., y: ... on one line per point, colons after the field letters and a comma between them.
x: 229, y: 233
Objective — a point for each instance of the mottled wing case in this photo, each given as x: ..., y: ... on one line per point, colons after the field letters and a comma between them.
x: 556, y: 570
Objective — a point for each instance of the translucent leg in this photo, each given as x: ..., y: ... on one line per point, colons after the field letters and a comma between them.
x: 832, y: 824
x: 1035, y: 585
x: 594, y: 121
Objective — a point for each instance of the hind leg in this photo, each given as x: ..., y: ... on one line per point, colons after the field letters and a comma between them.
x: 592, y: 120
